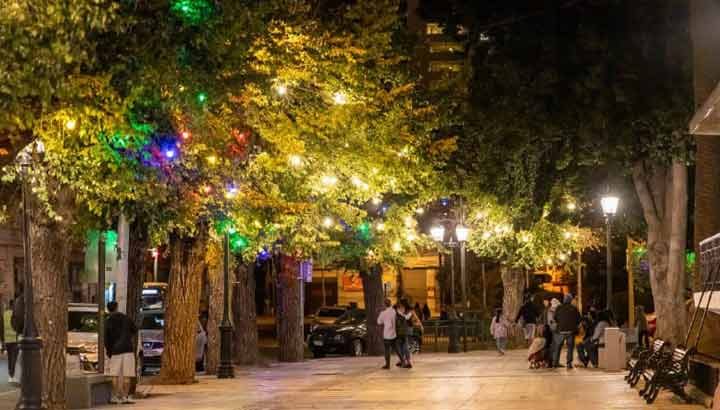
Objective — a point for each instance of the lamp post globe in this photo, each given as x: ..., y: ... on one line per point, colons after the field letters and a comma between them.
x: 462, y: 232
x: 437, y: 233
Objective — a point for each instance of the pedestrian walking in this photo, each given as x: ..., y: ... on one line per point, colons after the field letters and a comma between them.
x: 499, y: 330
x: 528, y: 314
x: 119, y: 333
x: 404, y: 328
x: 642, y: 327
x: 427, y: 315
x: 568, y: 319
x: 386, y: 319
x: 10, y: 343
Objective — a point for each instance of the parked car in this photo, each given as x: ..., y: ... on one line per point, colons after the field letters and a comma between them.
x: 326, y: 315
x: 346, y: 335
x: 82, y: 333
x: 152, y: 342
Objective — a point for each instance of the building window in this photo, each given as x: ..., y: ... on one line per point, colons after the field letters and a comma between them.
x: 433, y: 28
x: 446, y: 47
x: 445, y: 66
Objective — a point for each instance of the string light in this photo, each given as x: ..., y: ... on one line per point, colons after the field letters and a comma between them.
x: 329, y: 180
x: 207, y: 189
x: 328, y: 222
x: 340, y: 98
x: 376, y: 201
x: 410, y: 236
x: 170, y: 153
x: 380, y: 226
x: 295, y: 160
x: 420, y: 211
x: 571, y: 206
x: 562, y: 257
x: 202, y: 97
x: 211, y: 159
x: 486, y: 235
x: 525, y: 237
x: 185, y: 135
x: 567, y: 235
x: 397, y: 246
x: 281, y: 89
x: 409, y: 221
x: 549, y: 261
x: 70, y: 124
x: 480, y: 215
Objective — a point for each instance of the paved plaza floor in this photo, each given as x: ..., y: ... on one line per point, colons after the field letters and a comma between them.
x: 470, y: 381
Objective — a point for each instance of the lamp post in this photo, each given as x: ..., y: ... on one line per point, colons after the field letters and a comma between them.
x: 609, y: 205
x: 461, y: 233
x: 225, y: 369
x: 438, y: 234
x: 30, y: 344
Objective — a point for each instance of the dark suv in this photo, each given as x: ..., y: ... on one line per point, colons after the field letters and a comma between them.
x: 347, y: 335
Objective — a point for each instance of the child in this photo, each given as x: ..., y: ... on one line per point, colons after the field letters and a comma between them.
x: 536, y: 352
x: 499, y: 330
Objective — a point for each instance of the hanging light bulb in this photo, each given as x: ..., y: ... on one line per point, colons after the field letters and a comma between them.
x: 329, y: 180
x: 376, y: 201
x: 211, y: 159
x: 185, y: 135
x: 281, y: 89
x: 339, y: 98
x: 328, y: 222
x: 70, y: 124
x: 207, y: 189
x: 170, y: 153
x: 410, y: 236
x: 571, y: 206
x: 380, y: 226
x: 567, y: 234
x: 549, y: 261
x: 397, y: 246
x: 295, y: 160
x: 486, y: 235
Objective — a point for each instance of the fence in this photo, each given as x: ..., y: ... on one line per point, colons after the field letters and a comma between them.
x: 474, y: 334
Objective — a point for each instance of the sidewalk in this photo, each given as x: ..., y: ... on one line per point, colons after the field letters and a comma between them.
x: 472, y: 381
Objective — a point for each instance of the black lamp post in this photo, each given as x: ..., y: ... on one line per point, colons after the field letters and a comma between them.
x: 225, y: 369
x: 30, y: 344
x: 609, y: 205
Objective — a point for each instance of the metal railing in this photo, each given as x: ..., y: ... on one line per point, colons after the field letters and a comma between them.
x: 474, y: 334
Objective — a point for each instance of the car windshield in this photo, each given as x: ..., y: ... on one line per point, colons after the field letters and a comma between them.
x: 153, y: 322
x: 351, y: 316
x: 82, y: 322
x: 330, y: 312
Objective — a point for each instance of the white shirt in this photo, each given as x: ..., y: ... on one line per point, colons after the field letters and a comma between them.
x: 386, y: 319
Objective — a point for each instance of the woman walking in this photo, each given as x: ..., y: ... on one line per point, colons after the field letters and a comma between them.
x: 499, y: 330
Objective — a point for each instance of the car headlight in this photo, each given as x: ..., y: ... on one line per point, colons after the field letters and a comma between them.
x: 339, y: 338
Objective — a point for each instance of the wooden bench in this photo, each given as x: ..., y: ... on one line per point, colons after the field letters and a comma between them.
x: 643, y: 359
x: 671, y: 373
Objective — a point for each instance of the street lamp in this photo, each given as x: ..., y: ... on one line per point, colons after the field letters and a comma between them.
x: 437, y: 233
x: 225, y: 369
x: 461, y: 233
x: 30, y: 344
x: 609, y: 205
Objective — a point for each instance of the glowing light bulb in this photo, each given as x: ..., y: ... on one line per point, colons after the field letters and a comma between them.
x: 380, y: 226
x: 409, y: 221
x: 549, y: 261
x: 340, y: 98
x: 202, y: 97
x: 480, y: 215
x: 420, y: 211
x: 328, y: 222
x: 207, y: 189
x: 571, y: 206
x: 329, y: 180
x: 71, y: 124
x: 295, y: 160
x: 397, y: 247
x: 486, y: 235
x: 410, y: 236
x: 525, y: 238
x: 567, y: 235
x: 211, y: 159
x: 170, y: 153
x: 185, y: 135
x: 376, y: 201
x: 562, y: 257
x: 281, y: 89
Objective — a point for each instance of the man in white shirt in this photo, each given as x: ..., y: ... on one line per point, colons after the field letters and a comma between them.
x: 386, y: 319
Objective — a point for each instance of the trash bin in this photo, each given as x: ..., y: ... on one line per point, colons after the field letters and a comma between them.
x: 612, y: 356
x: 454, y: 336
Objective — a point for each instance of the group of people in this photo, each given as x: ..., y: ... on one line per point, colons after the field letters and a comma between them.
x: 398, y: 323
x: 556, y: 326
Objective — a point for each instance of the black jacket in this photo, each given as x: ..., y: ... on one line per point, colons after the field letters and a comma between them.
x: 119, y: 332
x: 568, y: 318
x: 528, y: 312
x: 17, y: 320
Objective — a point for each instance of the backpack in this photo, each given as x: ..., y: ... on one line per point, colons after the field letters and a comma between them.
x: 402, y: 326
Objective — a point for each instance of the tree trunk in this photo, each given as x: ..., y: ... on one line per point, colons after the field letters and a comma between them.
x: 215, y: 306
x: 513, y: 280
x: 183, y: 304
x: 374, y: 298
x: 663, y: 194
x: 289, y: 313
x: 50, y: 254
x: 136, y: 276
x: 244, y: 314
x: 400, y: 292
